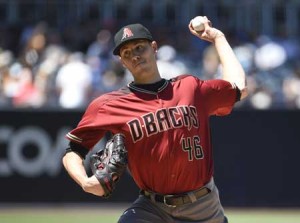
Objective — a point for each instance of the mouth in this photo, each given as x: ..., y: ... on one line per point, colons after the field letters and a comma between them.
x: 139, y: 63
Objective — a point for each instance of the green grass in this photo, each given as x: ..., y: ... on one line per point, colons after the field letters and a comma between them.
x: 55, y: 218
x: 72, y: 214
x: 263, y: 215
x: 102, y: 214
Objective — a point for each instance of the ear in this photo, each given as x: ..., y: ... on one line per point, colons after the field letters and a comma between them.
x: 123, y: 64
x: 154, y: 46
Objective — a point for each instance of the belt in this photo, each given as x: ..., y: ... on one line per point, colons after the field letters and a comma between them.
x: 177, y: 199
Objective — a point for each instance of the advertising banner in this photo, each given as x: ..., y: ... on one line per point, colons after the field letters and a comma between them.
x: 256, y: 159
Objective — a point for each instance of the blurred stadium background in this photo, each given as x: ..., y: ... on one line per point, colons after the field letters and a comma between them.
x: 55, y: 57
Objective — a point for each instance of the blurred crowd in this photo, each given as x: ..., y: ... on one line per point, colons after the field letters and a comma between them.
x: 47, y: 68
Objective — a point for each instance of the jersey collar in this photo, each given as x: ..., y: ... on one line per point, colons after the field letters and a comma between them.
x: 149, y: 88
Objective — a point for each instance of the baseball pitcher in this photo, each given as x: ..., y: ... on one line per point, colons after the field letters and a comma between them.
x: 161, y: 132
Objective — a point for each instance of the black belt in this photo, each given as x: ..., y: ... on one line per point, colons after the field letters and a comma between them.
x: 177, y: 199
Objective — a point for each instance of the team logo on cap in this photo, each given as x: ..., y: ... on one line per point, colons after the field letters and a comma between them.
x: 127, y: 33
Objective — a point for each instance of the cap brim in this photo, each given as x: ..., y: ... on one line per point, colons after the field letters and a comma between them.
x: 116, y: 51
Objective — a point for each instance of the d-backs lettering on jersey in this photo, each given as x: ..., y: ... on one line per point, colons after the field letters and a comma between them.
x: 163, y: 120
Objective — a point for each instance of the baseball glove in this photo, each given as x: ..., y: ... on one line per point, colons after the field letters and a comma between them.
x: 109, y: 164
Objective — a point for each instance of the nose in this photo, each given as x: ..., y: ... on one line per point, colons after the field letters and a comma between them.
x: 135, y: 56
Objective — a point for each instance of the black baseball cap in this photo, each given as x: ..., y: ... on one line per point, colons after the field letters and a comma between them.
x: 128, y: 33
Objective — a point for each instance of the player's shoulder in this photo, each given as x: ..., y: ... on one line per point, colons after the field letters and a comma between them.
x: 192, y: 80
x: 186, y: 78
x: 111, y: 96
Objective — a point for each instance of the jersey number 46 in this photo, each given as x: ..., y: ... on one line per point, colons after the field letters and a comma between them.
x: 192, y: 146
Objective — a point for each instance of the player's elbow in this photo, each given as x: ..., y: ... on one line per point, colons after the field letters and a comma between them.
x: 244, y: 93
x: 242, y: 86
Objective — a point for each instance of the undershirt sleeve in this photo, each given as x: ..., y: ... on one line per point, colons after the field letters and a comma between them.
x: 78, y: 149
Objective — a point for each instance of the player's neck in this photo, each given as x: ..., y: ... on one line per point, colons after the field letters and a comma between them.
x: 147, y: 78
x: 150, y: 86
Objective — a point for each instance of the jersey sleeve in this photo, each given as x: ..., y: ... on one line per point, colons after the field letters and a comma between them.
x: 219, y: 96
x: 89, y: 131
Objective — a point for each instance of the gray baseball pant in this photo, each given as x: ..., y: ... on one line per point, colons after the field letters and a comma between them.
x: 206, y: 209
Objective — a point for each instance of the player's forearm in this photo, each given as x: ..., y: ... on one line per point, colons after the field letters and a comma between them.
x: 75, y: 168
x: 73, y: 163
x: 232, y: 70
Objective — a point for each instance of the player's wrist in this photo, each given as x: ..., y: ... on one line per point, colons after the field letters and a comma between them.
x: 218, y: 35
x: 92, y: 185
x: 84, y: 184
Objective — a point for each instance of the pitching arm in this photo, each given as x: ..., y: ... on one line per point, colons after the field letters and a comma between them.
x: 232, y: 70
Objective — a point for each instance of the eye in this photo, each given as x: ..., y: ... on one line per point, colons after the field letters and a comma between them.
x: 126, y: 53
x: 140, y: 48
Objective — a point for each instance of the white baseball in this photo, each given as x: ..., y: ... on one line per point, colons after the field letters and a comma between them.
x: 198, y: 23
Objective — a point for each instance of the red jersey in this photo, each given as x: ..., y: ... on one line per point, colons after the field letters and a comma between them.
x: 167, y: 132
